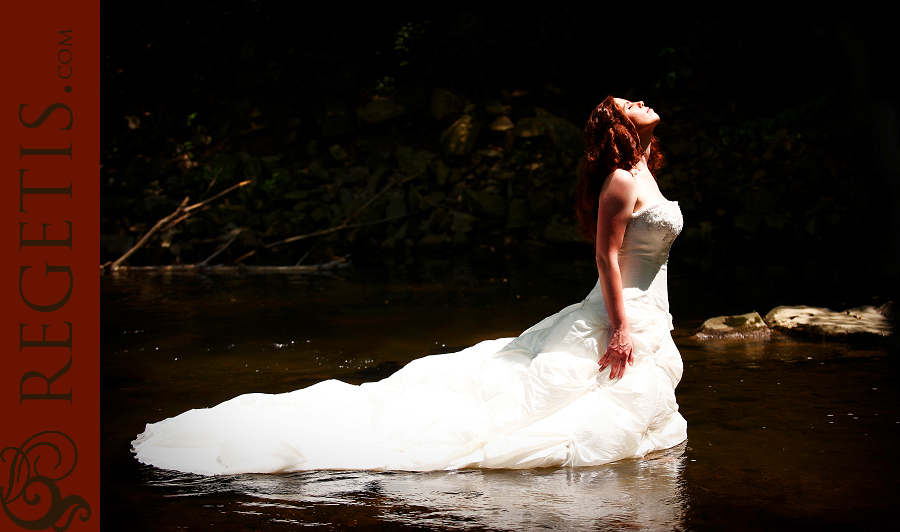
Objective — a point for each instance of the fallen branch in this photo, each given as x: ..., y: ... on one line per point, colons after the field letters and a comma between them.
x: 310, y: 250
x: 383, y: 190
x: 115, y: 265
x: 213, y: 182
x: 169, y: 221
x: 344, y: 225
x: 222, y: 248
x: 197, y: 268
x: 189, y: 211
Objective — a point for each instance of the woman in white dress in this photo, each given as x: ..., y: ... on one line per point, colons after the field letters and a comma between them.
x: 557, y: 395
x: 615, y: 182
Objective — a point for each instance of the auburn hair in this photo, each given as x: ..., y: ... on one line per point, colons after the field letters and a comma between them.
x: 611, y: 141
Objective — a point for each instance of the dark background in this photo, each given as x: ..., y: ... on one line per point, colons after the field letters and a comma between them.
x: 781, y: 136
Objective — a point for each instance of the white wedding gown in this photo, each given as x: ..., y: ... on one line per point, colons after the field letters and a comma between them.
x: 538, y: 400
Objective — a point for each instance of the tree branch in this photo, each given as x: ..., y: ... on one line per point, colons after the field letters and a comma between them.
x: 169, y: 221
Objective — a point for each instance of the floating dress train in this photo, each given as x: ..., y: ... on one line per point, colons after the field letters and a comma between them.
x: 538, y: 400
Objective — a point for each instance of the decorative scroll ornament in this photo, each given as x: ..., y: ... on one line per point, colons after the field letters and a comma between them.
x: 31, y: 498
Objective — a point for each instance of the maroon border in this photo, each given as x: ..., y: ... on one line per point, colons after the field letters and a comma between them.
x: 57, y: 77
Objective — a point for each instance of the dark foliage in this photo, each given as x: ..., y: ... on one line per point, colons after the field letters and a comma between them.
x: 771, y: 130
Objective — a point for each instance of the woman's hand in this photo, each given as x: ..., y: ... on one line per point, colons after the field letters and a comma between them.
x: 618, y: 353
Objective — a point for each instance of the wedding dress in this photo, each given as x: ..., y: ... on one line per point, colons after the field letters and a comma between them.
x: 538, y: 400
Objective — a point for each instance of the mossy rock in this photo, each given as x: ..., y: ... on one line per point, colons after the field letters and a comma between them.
x: 738, y: 327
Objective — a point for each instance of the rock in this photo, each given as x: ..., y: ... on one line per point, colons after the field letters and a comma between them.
x: 741, y: 326
x: 439, y: 222
x: 413, y: 162
x: 318, y: 171
x: 497, y: 108
x: 337, y: 153
x: 566, y: 136
x: 459, y: 138
x: 540, y: 206
x: 431, y: 239
x: 445, y: 105
x: 502, y: 123
x: 312, y: 149
x: 441, y: 172
x: 396, y: 204
x: 356, y: 174
x: 531, y: 127
x: 333, y: 117
x: 492, y: 152
x: 487, y: 204
x: 379, y: 110
x: 560, y: 229
x: 518, y: 214
x: 864, y: 321
x: 462, y: 223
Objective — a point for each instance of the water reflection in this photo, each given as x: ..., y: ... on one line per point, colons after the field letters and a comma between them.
x: 785, y: 434
x: 643, y: 494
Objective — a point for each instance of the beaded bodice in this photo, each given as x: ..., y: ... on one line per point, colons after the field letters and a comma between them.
x: 660, y: 221
x: 648, y: 239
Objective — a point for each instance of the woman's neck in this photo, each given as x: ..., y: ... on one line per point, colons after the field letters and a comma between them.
x: 644, y: 160
x: 646, y: 137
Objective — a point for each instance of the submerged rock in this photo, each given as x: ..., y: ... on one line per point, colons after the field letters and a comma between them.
x: 741, y: 326
x: 864, y: 321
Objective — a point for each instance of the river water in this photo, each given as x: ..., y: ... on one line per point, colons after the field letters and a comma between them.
x: 782, y: 433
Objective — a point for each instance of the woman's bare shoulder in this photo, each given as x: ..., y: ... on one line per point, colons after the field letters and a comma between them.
x: 620, y: 185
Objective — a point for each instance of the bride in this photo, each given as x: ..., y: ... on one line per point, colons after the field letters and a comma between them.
x: 591, y: 384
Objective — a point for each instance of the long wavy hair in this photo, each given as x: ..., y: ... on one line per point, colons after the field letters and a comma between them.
x: 611, y: 141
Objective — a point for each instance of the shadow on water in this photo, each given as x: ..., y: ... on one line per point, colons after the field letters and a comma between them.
x: 782, y: 433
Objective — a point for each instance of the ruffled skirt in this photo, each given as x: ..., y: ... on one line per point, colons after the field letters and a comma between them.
x: 538, y: 400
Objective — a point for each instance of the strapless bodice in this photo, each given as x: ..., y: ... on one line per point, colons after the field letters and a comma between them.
x: 648, y: 239
x: 651, y: 231
x: 645, y: 252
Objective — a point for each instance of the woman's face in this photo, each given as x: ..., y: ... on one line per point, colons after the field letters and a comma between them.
x: 641, y: 116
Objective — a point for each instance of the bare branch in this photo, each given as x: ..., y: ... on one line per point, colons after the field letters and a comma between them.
x: 115, y: 265
x: 346, y: 224
x: 337, y: 228
x: 169, y: 221
x: 222, y: 248
x: 196, y: 206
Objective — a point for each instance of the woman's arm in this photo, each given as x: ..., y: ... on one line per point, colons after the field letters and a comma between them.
x: 617, y: 202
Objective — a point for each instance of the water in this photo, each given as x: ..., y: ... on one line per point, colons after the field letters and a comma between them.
x: 783, y: 433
